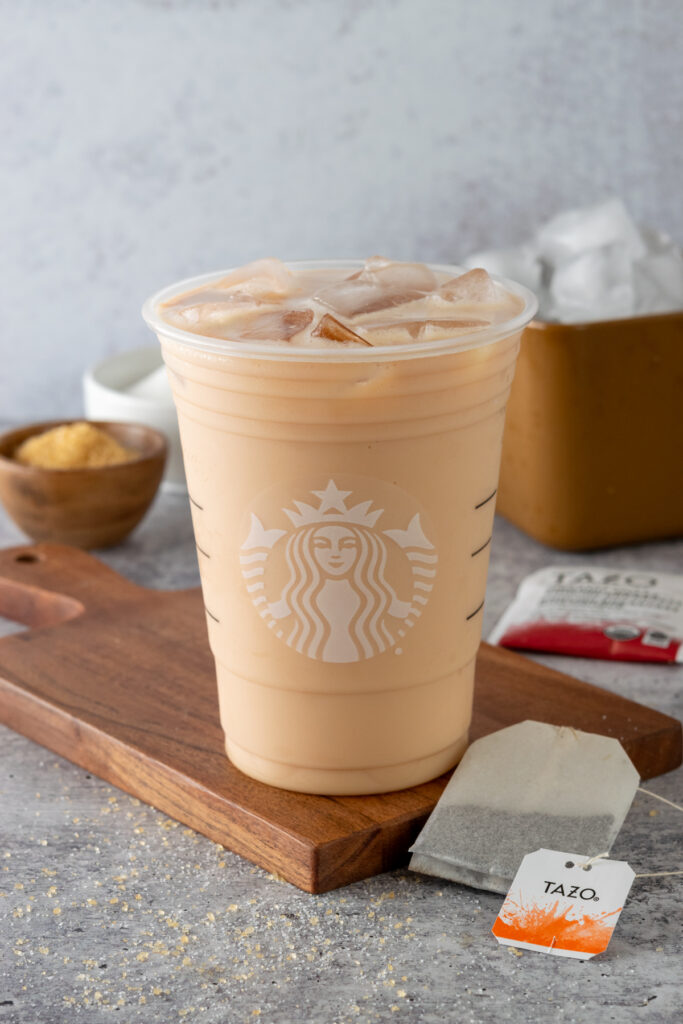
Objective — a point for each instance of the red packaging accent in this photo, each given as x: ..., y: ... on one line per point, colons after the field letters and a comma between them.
x: 597, y: 613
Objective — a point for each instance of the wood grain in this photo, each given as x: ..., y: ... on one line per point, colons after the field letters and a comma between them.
x: 119, y: 679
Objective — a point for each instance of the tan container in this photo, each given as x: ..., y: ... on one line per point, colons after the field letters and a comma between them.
x: 593, y: 444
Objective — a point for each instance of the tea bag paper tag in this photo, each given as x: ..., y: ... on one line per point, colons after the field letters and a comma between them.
x: 556, y: 906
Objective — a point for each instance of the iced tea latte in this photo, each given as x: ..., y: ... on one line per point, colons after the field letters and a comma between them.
x: 341, y: 428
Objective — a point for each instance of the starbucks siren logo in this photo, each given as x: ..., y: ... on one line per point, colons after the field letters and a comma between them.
x: 335, y: 601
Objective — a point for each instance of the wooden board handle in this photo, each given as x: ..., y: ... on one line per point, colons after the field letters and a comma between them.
x: 44, y: 584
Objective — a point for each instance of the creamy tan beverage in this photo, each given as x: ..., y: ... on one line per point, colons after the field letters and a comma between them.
x: 341, y: 428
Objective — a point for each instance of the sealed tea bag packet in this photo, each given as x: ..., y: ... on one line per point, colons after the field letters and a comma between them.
x: 597, y: 613
x: 529, y: 786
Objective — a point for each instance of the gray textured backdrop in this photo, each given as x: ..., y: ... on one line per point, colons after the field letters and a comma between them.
x: 145, y: 140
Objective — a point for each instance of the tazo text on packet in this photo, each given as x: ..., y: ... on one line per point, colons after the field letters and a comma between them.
x: 597, y: 613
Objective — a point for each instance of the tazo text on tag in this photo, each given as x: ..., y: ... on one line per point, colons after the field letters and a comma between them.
x: 564, y: 904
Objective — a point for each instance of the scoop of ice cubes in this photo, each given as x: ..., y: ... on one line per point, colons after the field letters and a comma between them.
x: 576, y: 232
x: 593, y: 263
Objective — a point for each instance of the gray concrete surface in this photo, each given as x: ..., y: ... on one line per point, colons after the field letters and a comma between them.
x: 109, y: 911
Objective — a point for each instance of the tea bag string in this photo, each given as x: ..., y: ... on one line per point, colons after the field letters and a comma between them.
x: 677, y: 807
x: 662, y: 798
x: 598, y: 856
x: 652, y: 874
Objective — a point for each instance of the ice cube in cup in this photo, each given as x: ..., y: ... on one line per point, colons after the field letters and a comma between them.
x: 380, y: 284
x: 474, y: 286
x: 278, y: 325
x: 332, y: 329
x: 210, y: 312
x: 267, y: 279
x: 430, y: 329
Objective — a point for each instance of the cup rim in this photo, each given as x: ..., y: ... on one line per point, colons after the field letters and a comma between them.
x: 340, y: 354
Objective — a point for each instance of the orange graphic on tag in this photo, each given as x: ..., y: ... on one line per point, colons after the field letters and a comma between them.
x: 551, y: 926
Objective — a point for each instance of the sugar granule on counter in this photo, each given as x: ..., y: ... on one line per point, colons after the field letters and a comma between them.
x: 72, y: 446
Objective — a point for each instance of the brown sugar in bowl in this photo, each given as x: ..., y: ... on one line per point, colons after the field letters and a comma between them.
x: 90, y: 507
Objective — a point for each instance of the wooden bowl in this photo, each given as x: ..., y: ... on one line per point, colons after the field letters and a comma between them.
x: 89, y: 508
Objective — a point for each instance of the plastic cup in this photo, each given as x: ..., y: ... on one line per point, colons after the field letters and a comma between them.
x: 343, y: 505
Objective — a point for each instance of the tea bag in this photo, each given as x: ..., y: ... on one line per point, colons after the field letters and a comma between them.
x: 529, y: 786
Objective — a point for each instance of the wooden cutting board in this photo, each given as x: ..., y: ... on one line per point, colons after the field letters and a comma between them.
x: 119, y: 679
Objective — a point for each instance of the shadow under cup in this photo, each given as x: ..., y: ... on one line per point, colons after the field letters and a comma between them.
x: 343, y: 504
